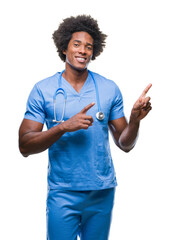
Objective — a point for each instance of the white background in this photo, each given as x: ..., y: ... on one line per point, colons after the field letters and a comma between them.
x: 137, y: 53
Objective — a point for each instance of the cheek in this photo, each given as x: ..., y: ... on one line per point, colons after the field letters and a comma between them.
x: 69, y: 54
x: 69, y: 58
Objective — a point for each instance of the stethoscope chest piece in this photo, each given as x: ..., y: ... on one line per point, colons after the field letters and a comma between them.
x: 100, y: 115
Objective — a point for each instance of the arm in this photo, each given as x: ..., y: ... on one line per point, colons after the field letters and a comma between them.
x: 33, y: 140
x: 125, y: 134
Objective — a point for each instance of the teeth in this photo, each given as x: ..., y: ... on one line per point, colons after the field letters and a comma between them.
x: 81, y: 59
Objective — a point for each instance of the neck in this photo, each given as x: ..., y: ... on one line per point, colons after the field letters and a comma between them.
x: 74, y: 75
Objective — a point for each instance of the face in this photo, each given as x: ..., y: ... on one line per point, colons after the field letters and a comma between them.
x: 79, y: 51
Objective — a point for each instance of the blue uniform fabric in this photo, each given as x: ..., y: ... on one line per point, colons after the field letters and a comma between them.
x: 79, y: 160
x: 87, y: 213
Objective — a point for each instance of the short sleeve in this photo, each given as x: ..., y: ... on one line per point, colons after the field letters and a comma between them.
x: 35, y: 106
x: 117, y: 105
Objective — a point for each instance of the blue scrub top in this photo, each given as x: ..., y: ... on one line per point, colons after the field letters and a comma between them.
x: 79, y: 160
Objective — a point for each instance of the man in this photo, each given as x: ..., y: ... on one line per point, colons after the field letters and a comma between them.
x: 79, y: 107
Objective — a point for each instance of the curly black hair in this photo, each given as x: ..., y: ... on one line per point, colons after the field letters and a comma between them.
x: 81, y: 23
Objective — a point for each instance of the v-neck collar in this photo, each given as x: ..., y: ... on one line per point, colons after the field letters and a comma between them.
x: 71, y: 88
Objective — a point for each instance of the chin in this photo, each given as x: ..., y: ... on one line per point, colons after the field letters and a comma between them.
x: 79, y: 68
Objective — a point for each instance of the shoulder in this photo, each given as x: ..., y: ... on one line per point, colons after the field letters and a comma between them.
x: 105, y: 83
x: 48, y: 82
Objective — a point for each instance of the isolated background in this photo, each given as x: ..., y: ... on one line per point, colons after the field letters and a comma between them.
x: 137, y: 53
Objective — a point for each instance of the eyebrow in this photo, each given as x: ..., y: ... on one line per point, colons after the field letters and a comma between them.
x: 80, y: 42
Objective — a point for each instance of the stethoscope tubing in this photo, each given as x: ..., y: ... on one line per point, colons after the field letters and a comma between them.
x: 99, y: 115
x: 97, y: 91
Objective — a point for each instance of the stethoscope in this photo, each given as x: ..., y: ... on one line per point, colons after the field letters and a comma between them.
x: 99, y: 115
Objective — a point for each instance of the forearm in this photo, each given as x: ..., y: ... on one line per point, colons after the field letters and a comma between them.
x: 33, y: 140
x: 36, y: 142
x: 129, y: 135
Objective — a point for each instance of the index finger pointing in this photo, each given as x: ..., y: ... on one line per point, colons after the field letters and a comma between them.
x: 85, y: 109
x: 146, y: 90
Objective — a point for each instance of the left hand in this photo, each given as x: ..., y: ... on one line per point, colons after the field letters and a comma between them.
x: 142, y: 106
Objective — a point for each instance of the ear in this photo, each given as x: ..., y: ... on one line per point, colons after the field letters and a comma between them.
x: 64, y: 52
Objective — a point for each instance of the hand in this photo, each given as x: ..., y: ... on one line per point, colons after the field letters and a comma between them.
x: 79, y: 121
x: 142, y: 106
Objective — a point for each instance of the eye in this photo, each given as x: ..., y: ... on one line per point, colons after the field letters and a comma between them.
x: 76, y: 44
x: 89, y: 48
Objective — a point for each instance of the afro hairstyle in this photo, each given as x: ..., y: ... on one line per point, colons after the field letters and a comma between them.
x: 81, y: 23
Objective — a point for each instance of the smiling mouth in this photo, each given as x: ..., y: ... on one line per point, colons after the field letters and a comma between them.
x: 81, y: 59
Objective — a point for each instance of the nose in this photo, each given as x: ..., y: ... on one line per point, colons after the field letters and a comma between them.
x: 82, y: 49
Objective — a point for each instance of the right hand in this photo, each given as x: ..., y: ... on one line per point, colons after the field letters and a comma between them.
x: 79, y: 121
